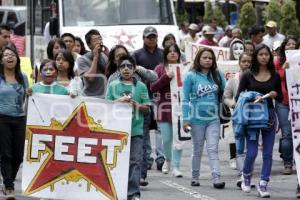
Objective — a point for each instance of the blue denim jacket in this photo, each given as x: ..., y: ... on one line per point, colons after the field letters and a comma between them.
x: 249, y: 117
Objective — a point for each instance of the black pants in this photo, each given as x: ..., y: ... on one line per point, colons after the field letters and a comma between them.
x: 12, y: 138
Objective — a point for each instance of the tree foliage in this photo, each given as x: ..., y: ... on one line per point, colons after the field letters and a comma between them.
x: 220, y: 17
x: 209, y: 13
x: 216, y: 13
x: 247, y: 18
x: 289, y: 24
x: 273, y: 12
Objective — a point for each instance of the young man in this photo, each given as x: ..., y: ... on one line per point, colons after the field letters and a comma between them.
x: 128, y: 90
x: 4, y: 35
x: 91, y: 66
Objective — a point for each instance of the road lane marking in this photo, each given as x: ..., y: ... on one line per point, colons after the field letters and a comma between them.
x: 186, y: 190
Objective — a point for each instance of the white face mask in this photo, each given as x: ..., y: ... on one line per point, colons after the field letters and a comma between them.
x: 237, y: 50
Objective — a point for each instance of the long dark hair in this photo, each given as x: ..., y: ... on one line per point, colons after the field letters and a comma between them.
x: 51, y: 46
x: 255, y: 65
x: 70, y: 59
x: 168, y: 37
x: 167, y: 50
x: 282, y: 57
x: 82, y: 47
x: 112, y: 66
x: 212, y: 70
x: 18, y: 73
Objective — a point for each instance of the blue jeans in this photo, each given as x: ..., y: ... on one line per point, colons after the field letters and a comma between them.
x: 286, y: 141
x: 268, y: 138
x: 210, y: 133
x: 136, y: 156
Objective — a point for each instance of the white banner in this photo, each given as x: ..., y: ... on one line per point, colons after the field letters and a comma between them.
x: 76, y: 148
x: 293, y: 85
x: 221, y: 53
x: 176, y: 83
x: 228, y: 67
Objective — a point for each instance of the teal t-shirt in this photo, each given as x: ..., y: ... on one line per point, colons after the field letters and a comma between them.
x: 54, y: 88
x: 139, y: 94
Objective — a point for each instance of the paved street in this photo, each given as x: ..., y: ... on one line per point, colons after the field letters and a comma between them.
x: 166, y: 187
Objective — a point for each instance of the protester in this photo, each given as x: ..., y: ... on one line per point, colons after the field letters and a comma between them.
x: 128, y: 90
x: 227, y: 36
x: 208, y: 36
x: 261, y: 78
x: 282, y: 108
x: 237, y: 152
x: 91, y: 66
x: 150, y: 56
x: 4, y: 35
x: 272, y: 35
x: 256, y: 34
x: 201, y: 88
x: 162, y: 91
x: 54, y: 46
x: 79, y: 46
x: 191, y: 37
x: 168, y: 40
x: 66, y: 76
x: 237, y: 47
x: 13, y: 84
x: 48, y: 84
x: 249, y: 47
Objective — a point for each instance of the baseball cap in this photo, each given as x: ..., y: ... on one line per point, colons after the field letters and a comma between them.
x: 193, y: 27
x: 208, y: 30
x: 271, y: 24
x: 149, y: 30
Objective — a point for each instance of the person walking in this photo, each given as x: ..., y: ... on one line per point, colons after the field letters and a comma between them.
x: 201, y: 88
x: 13, y: 86
x: 261, y: 78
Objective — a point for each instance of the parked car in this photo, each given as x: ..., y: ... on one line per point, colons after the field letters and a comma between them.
x: 12, y: 15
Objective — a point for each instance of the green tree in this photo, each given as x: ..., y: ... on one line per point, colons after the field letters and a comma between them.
x: 209, y: 13
x: 220, y: 17
x: 273, y: 12
x: 289, y: 24
x: 247, y: 18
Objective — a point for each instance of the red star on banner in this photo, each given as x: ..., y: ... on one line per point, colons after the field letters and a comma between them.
x: 124, y: 38
x: 78, y: 125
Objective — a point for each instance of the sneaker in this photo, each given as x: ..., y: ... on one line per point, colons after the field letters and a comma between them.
x: 288, y: 170
x: 246, y: 184
x: 176, y: 172
x: 239, y: 182
x: 262, y: 189
x: 143, y: 182
x: 9, y: 193
x: 195, y: 182
x: 166, y: 167
x: 159, y: 163
x: 298, y: 191
x: 232, y: 163
x: 218, y: 184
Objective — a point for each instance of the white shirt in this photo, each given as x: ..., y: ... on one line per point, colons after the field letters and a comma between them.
x: 269, y: 40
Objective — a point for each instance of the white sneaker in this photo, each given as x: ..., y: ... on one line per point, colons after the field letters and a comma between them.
x: 262, y: 189
x: 176, y: 172
x: 246, y: 184
x: 166, y: 167
x: 232, y: 163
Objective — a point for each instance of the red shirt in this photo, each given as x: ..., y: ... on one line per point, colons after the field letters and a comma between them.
x: 162, y: 94
x: 281, y: 73
x: 208, y: 42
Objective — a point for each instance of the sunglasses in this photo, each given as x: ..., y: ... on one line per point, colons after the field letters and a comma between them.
x: 129, y: 66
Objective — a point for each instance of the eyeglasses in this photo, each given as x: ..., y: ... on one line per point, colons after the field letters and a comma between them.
x: 129, y: 66
x: 9, y: 55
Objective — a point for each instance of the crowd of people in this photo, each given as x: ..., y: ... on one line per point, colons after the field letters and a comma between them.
x: 142, y: 79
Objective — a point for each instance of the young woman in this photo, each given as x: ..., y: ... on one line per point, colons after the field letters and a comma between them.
x: 13, y: 85
x: 229, y: 94
x: 164, y: 115
x: 282, y: 108
x: 79, y: 46
x: 261, y: 78
x: 249, y: 47
x: 65, y: 64
x: 54, y: 46
x: 200, y: 108
x: 168, y: 40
